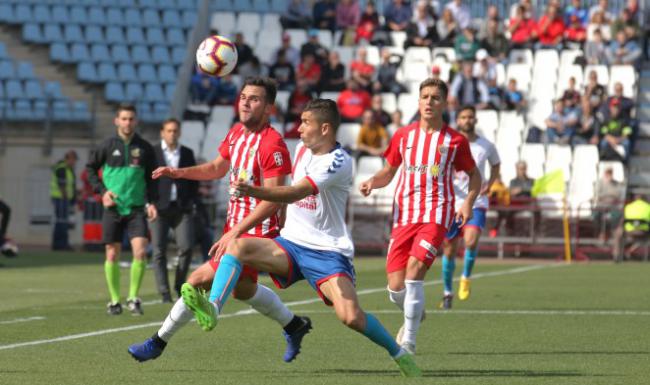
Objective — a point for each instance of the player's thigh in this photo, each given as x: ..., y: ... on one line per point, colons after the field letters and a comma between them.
x: 416, y: 269
x: 202, y: 277
x: 262, y: 254
x: 341, y: 292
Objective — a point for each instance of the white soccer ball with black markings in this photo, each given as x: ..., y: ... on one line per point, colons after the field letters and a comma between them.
x: 216, y: 56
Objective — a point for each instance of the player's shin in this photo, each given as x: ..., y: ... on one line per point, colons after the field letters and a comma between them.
x: 112, y: 271
x: 376, y: 332
x: 267, y: 302
x: 468, y: 262
x: 176, y: 319
x: 397, y: 297
x: 448, y: 267
x: 413, y: 308
x: 225, y: 279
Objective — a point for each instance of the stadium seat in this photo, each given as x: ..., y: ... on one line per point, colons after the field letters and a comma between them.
x: 298, y: 37
x: 224, y: 22
x: 171, y: 17
x: 135, y: 35
x: 418, y: 54
x: 39, y: 110
x: 282, y: 100
x: 22, y: 14
x: 414, y: 71
x: 585, y: 156
x: 601, y: 70
x: 617, y: 168
x: 449, y: 54
x: 369, y: 165
x: 279, y: 6
x: 567, y: 57
x: 511, y: 123
x: 52, y: 33
x: 133, y: 17
x: 535, y: 156
x: 398, y: 38
x: 120, y: 54
x: 520, y: 72
x: 166, y: 73
x: 538, y: 112
x: 59, y: 53
x: 140, y: 54
x: 565, y: 74
x: 7, y: 70
x: 33, y: 89
x: 61, y: 110
x: 332, y: 95
x: 32, y: 33
x: 261, y: 6
x: 86, y: 72
x: 25, y: 70
x: 241, y: 5
x: 3, y: 51
x: 94, y: 34
x: 178, y: 55
x: 546, y: 59
x: 347, y: 135
x: 169, y: 89
x: 155, y: 36
x: 189, y: 18
x: 559, y: 157
x: 160, y: 111
x: 106, y: 72
x: 115, y: 35
x: 222, y: 114
x: 126, y: 73
x: 114, y: 92
x: 80, y: 111
x: 53, y: 90
x: 146, y: 73
x: 175, y: 36
x: 627, y: 76
x: 487, y: 120
x: 59, y: 15
x: 153, y: 92
x: 408, y: 104
x: 115, y: 16
x: 100, y: 53
x: 134, y: 92
x: 22, y: 110
x: 97, y: 16
x: 221, y: 5
x: 6, y: 14
x: 193, y: 132
x: 160, y: 55
x: 325, y: 38
x: 521, y: 56
x: 14, y: 89
x: 248, y: 20
x: 72, y: 34
x: 79, y: 52
x: 41, y: 13
x: 389, y: 102
x: 78, y: 15
x: 271, y: 22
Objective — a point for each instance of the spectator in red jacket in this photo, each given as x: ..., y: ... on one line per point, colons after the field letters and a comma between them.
x: 352, y: 102
x: 309, y: 71
x: 522, y: 30
x: 361, y: 70
x: 550, y: 29
x: 576, y: 33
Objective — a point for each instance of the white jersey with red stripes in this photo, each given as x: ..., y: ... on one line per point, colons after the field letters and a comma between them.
x: 254, y: 156
x: 318, y: 221
x: 483, y: 151
x: 424, y: 191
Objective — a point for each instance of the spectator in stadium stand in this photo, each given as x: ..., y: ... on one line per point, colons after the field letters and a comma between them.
x: 309, y: 71
x: 625, y: 104
x: 623, y: 51
x: 529, y: 11
x: 386, y: 80
x: 63, y: 192
x: 595, y: 49
x: 560, y: 125
x: 348, y: 15
x: 292, y: 53
x: 397, y: 15
x: 601, y: 7
x: 499, y: 196
x: 575, y: 33
x: 513, y: 99
x: 607, y: 203
x: 283, y: 73
x: 594, y: 92
x: 395, y: 122
x: 297, y: 15
x: 495, y: 42
x: 373, y: 137
x: 597, y: 21
x: 203, y: 89
x: 587, y: 132
x: 226, y: 91
x: 484, y: 68
x: 353, y: 100
x: 244, y: 51
x: 446, y: 29
x: 461, y: 13
x: 298, y: 99
x: 634, y: 227
x: 466, y: 45
x: 324, y: 14
x: 252, y: 69
x: 615, y: 131
x: 492, y: 14
x: 550, y: 29
x: 626, y: 20
x: 575, y: 9
x: 313, y: 47
x: 5, y: 214
x: 333, y: 74
x: 368, y: 24
x: 522, y: 30
x: 435, y: 72
x: 571, y: 93
x: 520, y: 194
x: 377, y: 105
x: 361, y: 70
x: 467, y: 89
x: 421, y: 32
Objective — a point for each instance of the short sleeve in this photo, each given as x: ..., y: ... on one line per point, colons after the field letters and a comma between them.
x: 274, y: 159
x: 463, y: 160
x: 393, y: 154
x: 224, y: 147
x: 493, y: 155
x: 331, y: 174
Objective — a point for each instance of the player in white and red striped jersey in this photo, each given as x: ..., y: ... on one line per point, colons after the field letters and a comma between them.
x: 255, y: 152
x: 427, y: 151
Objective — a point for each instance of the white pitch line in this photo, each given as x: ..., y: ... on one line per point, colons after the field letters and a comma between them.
x: 512, y: 312
x: 19, y: 320
x: 251, y: 311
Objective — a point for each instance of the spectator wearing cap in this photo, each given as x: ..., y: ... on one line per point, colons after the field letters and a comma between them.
x: 387, y: 72
x: 324, y: 14
x: 576, y: 10
x: 435, y: 72
x: 362, y: 71
x: 550, y: 29
x: 368, y: 24
x: 421, y: 32
x: 625, y: 104
x: 522, y: 30
x: 314, y: 47
x: 467, y: 89
x: 595, y: 49
x: 615, y: 131
x: 484, y: 68
x: 292, y: 54
x: 446, y: 28
x: 397, y: 15
x: 333, y: 74
x: 623, y: 51
x: 461, y: 13
x: 466, y: 45
x: 297, y: 15
x: 352, y: 102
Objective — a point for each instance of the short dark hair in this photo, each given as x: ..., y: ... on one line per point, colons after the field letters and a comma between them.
x: 170, y: 120
x: 326, y: 111
x: 270, y: 86
x: 439, y: 84
x: 125, y: 107
x: 466, y: 107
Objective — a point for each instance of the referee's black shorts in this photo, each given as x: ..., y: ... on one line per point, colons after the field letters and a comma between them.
x: 114, y: 224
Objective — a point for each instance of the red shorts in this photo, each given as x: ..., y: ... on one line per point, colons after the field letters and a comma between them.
x: 420, y: 240
x: 247, y: 271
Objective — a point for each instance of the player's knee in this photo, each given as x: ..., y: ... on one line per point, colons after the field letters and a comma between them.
x: 244, y: 290
x: 112, y: 253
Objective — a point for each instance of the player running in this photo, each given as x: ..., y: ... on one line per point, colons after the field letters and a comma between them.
x: 314, y: 245
x: 428, y: 151
x: 482, y: 151
x: 255, y: 152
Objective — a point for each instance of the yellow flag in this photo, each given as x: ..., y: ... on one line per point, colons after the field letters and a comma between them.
x: 553, y: 182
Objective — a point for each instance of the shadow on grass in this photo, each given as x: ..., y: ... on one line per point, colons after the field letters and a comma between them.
x: 36, y: 259
x: 595, y: 353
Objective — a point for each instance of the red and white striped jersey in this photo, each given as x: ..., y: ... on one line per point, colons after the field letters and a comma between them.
x: 253, y: 157
x: 425, y: 190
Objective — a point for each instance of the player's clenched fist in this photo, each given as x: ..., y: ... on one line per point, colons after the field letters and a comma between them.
x: 165, y: 171
x: 240, y: 188
x: 366, y: 187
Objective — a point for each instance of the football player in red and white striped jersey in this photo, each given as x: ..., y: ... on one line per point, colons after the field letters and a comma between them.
x: 428, y: 151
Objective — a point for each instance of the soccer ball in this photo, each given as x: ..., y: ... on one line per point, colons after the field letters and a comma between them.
x: 9, y: 248
x: 216, y: 56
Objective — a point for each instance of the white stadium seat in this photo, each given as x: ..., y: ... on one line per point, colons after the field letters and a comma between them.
x: 224, y: 22
x: 389, y: 102
x: 347, y: 134
x: 534, y: 156
x: 369, y: 165
x: 520, y: 72
x: 373, y: 55
x: 521, y: 56
x: 408, y: 104
x: 446, y: 52
x: 192, y: 133
x: 418, y: 54
x: 568, y: 56
x: 249, y: 21
x: 325, y: 38
x: 601, y: 70
x: 627, y: 76
x: 565, y: 74
x: 617, y: 167
x: 559, y: 157
x: 271, y: 22
x: 415, y: 71
x: 398, y: 38
x: 298, y: 37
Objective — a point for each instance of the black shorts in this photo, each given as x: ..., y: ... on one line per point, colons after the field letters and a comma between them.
x: 114, y: 224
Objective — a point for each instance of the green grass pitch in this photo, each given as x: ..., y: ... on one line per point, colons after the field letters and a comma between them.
x: 524, y: 324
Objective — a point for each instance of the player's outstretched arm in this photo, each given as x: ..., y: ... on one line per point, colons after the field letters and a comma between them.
x: 381, y: 179
x: 216, y: 169
x: 280, y: 194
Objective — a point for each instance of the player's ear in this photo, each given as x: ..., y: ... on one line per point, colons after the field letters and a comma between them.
x: 325, y: 128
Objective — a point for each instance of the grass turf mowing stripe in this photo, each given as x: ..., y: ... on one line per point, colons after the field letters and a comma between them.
x: 19, y: 320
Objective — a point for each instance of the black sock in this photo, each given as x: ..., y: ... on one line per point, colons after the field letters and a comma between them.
x: 293, y: 325
x: 158, y: 341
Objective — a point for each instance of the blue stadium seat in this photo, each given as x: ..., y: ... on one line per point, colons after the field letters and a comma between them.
x: 155, y: 36
x: 52, y: 33
x: 160, y: 111
x: 22, y: 14
x: 80, y: 112
x: 189, y: 18
x: 126, y: 73
x: 221, y: 5
x: 86, y: 72
x: 178, y: 55
x: 100, y: 53
x: 182, y: 5
x: 169, y: 91
x: 14, y: 89
x: 115, y: 35
x: 96, y: 15
x: 33, y: 90
x: 241, y: 6
x: 171, y: 17
x: 41, y: 14
x: 120, y: 53
x: 151, y: 18
x: 61, y: 110
x: 134, y: 35
x: 166, y: 73
x: 2, y: 92
x: 279, y: 6
x: 147, y: 4
x: 140, y: 54
x: 78, y: 15
x: 153, y: 92
x: 146, y: 73
x: 134, y: 92
x: 145, y: 112
x: 21, y: 110
x: 32, y: 33
x: 114, y: 92
x: 72, y: 33
x: 53, y: 90
x: 7, y: 70
x: 175, y: 37
x: 79, y: 52
x: 114, y: 16
x: 39, y: 110
x: 94, y: 34
x: 160, y: 55
x: 3, y: 51
x: 25, y: 70
x: 106, y: 72
x: 60, y: 14
x: 261, y: 6
x: 166, y: 4
x: 133, y: 17
x: 6, y: 13
x: 59, y: 53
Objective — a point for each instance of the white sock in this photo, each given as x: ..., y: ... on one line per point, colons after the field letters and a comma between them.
x: 266, y: 302
x: 397, y: 297
x: 176, y: 319
x: 413, y: 308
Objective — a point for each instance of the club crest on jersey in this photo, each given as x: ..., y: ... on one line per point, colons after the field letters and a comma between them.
x: 135, y: 152
x: 431, y: 251
x: 435, y: 170
x: 277, y: 157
